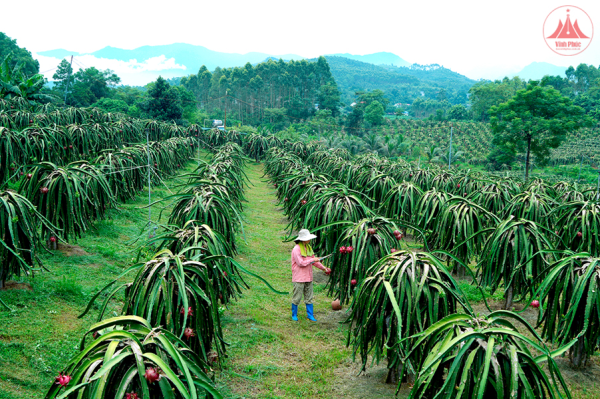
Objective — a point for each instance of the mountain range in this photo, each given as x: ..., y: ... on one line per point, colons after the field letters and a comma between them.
x: 144, y: 64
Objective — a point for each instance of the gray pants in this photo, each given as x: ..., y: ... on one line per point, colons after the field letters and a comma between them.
x: 299, y: 289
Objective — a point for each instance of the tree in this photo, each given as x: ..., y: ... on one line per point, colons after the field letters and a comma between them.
x: 112, y: 105
x: 355, y: 119
x: 64, y: 72
x: 329, y: 98
x: 88, y: 85
x: 536, y: 120
x: 20, y: 56
x: 484, y: 95
x: 458, y: 113
x: 501, y: 157
x: 164, y: 102
x: 374, y: 113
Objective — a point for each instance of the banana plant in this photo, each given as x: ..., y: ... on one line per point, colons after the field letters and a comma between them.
x: 569, y: 301
x: 127, y: 356
x: 485, y: 357
x: 404, y: 294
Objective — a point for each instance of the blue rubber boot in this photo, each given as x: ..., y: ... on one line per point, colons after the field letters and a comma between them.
x: 294, y: 312
x: 309, y: 312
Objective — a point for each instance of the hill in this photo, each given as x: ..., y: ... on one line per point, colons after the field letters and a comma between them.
x: 382, y: 58
x: 537, y: 70
x: 401, y: 84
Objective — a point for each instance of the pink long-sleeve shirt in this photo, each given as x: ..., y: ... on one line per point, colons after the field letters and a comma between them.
x: 301, y: 267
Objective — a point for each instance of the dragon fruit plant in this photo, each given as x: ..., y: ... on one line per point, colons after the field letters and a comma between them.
x: 126, y: 357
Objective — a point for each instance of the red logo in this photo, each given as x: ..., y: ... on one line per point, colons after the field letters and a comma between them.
x: 568, y: 30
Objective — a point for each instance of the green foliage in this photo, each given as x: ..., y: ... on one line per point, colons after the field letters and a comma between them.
x: 20, y: 239
x: 569, y: 305
x: 77, y: 195
x: 536, y: 120
x: 112, y: 105
x: 404, y: 294
x: 485, y: 94
x: 20, y: 55
x: 374, y: 113
x: 458, y: 113
x: 401, y: 84
x: 164, y: 102
x: 114, y: 363
x: 15, y: 83
x: 293, y: 88
x: 579, y: 217
x: 485, y: 357
x: 512, y: 256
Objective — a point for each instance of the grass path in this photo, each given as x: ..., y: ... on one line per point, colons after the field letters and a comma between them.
x: 270, y: 356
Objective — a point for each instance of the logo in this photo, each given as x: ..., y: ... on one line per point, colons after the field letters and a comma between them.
x: 568, y: 30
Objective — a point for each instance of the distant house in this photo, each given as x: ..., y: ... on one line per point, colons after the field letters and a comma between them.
x: 353, y: 104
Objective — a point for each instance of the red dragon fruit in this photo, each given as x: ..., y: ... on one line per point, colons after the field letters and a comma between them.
x: 188, y: 333
x: 151, y: 375
x: 190, y: 313
x: 63, y: 379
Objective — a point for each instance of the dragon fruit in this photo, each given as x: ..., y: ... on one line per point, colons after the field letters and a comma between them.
x: 182, y: 310
x: 63, y: 379
x: 188, y: 333
x: 151, y: 375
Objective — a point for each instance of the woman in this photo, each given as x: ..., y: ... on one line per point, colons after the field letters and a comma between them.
x: 303, y: 258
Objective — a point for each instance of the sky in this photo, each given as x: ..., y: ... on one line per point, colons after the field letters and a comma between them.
x: 475, y: 38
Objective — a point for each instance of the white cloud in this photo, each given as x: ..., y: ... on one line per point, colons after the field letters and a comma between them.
x: 131, y: 72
